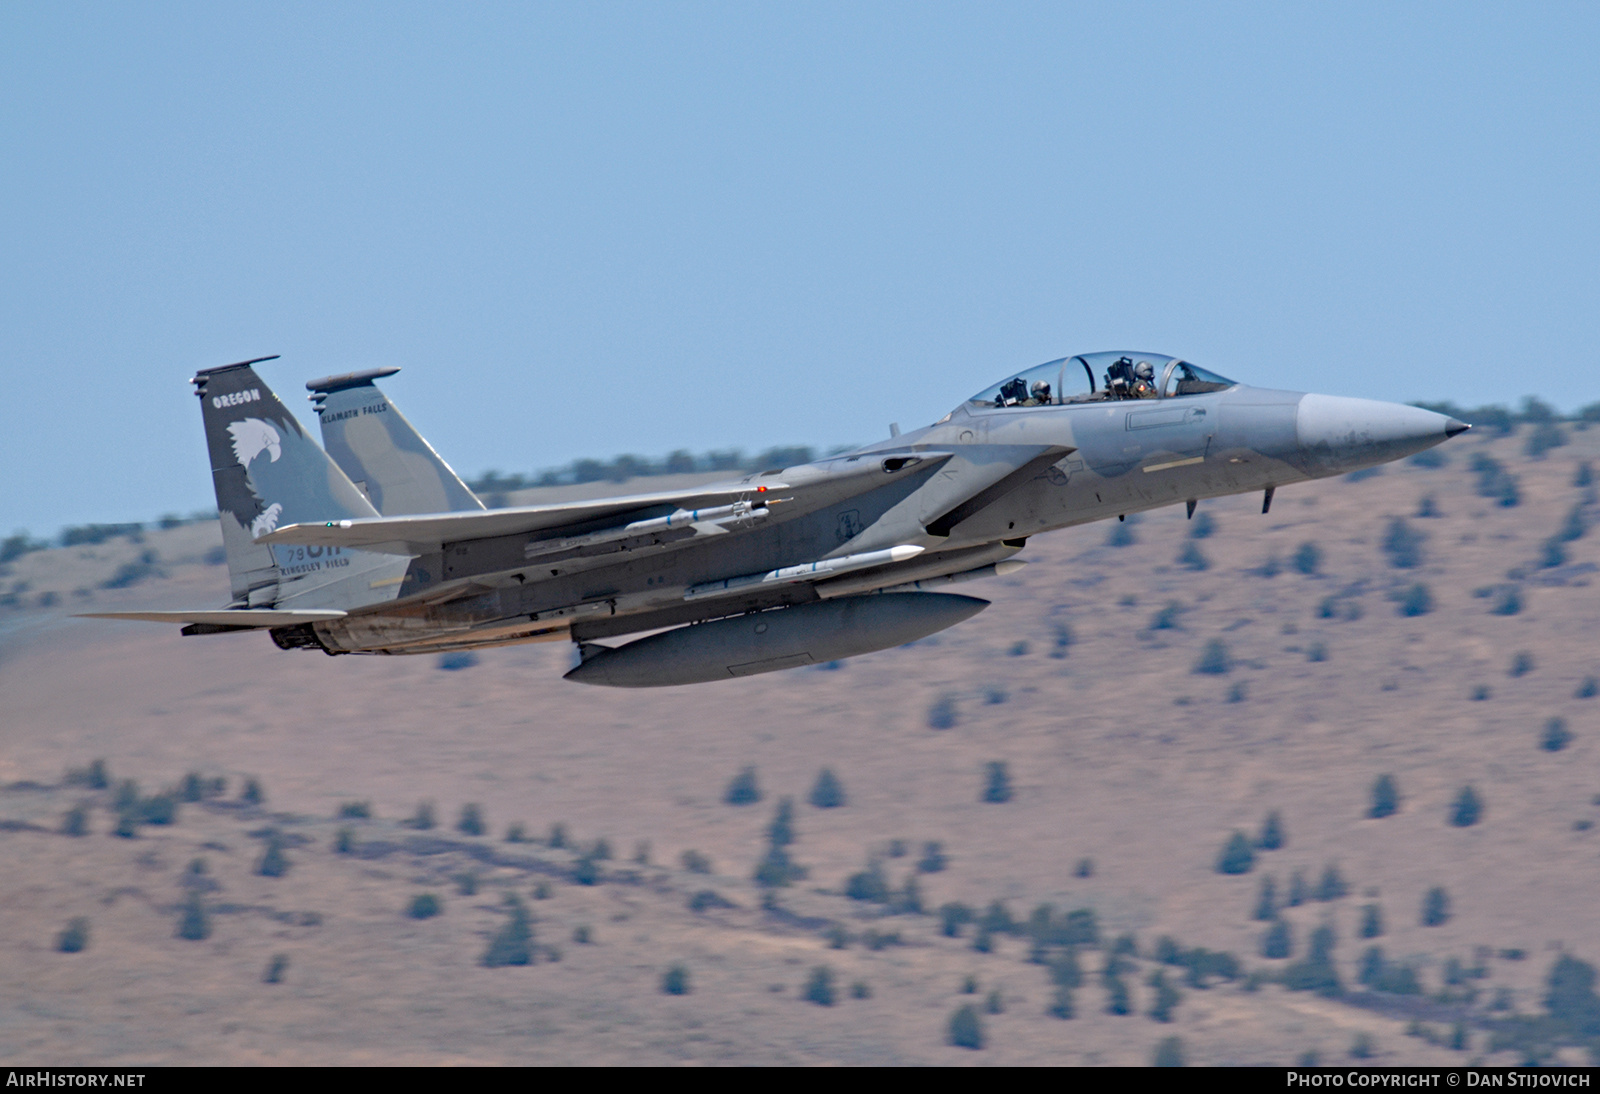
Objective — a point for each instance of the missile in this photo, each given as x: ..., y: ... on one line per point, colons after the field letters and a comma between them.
x: 782, y: 638
x: 703, y: 520
x: 998, y: 569
x: 807, y: 571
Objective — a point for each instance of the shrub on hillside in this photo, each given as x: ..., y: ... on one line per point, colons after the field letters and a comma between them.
x: 1436, y: 908
x: 1192, y: 558
x: 423, y: 819
x: 276, y: 967
x: 273, y: 862
x: 1272, y: 835
x: 1385, y: 797
x: 1237, y: 857
x: 94, y: 776
x: 1403, y: 545
x: 776, y: 869
x: 780, y: 833
x: 675, y: 981
x: 952, y: 917
x: 743, y: 788
x: 74, y: 937
x: 1214, y: 659
x: 1317, y: 971
x: 76, y: 821
x: 470, y: 823
x: 1416, y: 600
x: 997, y: 782
x: 1278, y: 942
x: 1508, y: 601
x: 512, y: 944
x: 194, y: 922
x: 827, y: 792
x: 1169, y: 1053
x: 1333, y: 885
x: 868, y: 885
x: 1266, y: 909
x: 1299, y: 891
x: 819, y: 987
x: 1166, y: 997
x: 1556, y: 736
x: 1467, y: 809
x: 966, y: 1028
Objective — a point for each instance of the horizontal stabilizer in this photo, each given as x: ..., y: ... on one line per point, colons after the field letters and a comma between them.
x: 420, y: 534
x: 237, y: 617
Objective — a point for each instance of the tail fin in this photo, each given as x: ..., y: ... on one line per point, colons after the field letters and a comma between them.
x: 386, y: 457
x: 267, y: 472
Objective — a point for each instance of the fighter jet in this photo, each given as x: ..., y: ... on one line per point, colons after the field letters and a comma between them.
x: 374, y: 545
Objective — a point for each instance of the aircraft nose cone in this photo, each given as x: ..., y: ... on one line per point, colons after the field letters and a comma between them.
x: 1341, y: 434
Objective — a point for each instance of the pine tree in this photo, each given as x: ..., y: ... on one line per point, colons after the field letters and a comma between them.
x: 1267, y: 902
x: 780, y: 833
x: 274, y: 863
x: 819, y: 988
x: 1167, y: 997
x: 827, y: 793
x: 1272, y: 836
x: 1236, y: 856
x: 1436, y: 908
x: 675, y: 981
x: 513, y: 942
x: 1385, y: 797
x: 997, y: 782
x: 1278, y: 943
x: 194, y: 924
x: 1467, y: 808
x: 966, y: 1028
x: 743, y: 788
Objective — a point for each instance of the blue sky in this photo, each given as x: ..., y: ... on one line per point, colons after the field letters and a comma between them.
x: 587, y: 229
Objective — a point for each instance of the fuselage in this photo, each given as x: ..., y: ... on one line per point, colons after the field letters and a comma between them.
x: 966, y: 492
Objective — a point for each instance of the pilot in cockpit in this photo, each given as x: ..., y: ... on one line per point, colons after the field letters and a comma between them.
x: 1041, y: 393
x: 1126, y: 380
x: 1144, y: 381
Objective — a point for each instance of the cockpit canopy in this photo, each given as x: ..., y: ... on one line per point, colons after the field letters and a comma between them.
x: 1097, y: 377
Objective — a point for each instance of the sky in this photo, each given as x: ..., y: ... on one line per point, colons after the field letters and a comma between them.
x: 590, y: 229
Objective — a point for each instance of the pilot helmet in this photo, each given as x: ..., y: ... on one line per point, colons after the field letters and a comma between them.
x: 1041, y: 390
x: 1143, y: 371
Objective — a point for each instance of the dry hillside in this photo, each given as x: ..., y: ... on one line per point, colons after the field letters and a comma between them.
x: 1128, y: 770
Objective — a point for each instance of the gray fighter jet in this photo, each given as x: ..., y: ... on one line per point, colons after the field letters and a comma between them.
x: 375, y: 545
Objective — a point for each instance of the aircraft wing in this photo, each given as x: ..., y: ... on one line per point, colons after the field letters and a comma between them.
x: 413, y: 535
x: 796, y: 490
x: 236, y: 617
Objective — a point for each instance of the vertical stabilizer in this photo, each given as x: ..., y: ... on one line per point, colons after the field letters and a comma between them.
x: 384, y: 455
x: 268, y: 473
